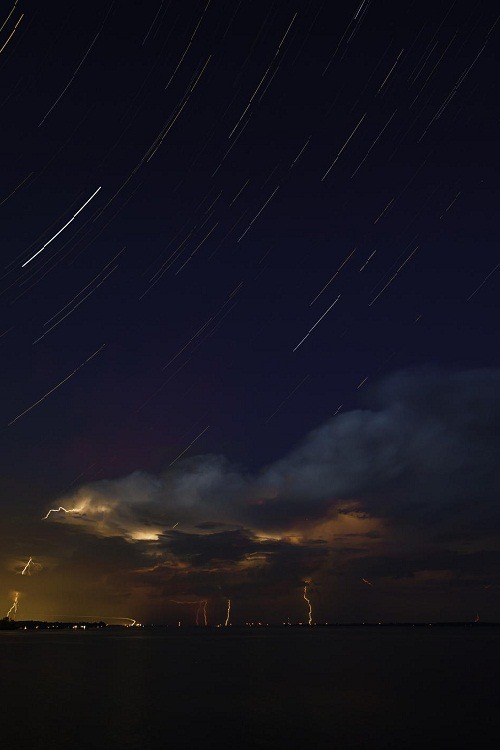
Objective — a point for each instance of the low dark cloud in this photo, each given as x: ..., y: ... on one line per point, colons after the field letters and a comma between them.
x: 205, y: 549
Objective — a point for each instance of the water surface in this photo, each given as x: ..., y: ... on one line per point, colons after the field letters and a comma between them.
x: 288, y: 688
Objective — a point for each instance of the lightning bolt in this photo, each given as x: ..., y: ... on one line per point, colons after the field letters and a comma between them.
x: 201, y: 609
x: 25, y: 570
x: 30, y: 567
x: 14, y: 604
x: 310, y: 622
x: 228, y: 613
x: 57, y: 510
x: 365, y: 580
x: 202, y: 612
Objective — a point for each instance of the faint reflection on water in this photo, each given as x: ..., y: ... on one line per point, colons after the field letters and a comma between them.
x: 336, y: 688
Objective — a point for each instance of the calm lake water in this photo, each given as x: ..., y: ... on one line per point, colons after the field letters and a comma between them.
x: 312, y: 688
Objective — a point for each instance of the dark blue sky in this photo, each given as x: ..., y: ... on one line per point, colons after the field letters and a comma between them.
x: 210, y: 130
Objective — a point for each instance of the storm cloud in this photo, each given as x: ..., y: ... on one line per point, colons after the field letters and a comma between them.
x: 424, y: 449
x: 387, y: 491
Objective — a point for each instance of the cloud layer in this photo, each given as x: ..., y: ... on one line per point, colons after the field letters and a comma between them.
x: 382, y: 492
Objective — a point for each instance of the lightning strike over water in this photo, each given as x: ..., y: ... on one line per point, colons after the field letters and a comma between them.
x: 14, y: 604
x: 228, y: 613
x: 201, y: 609
x: 309, y: 613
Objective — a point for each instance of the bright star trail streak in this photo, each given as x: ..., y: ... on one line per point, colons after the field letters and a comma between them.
x: 263, y: 78
x: 84, y: 288
x: 382, y: 214
x: 189, y: 446
x: 11, y: 12
x: 197, y: 248
x: 16, y: 188
x: 62, y: 228
x: 367, y: 260
x: 154, y: 21
x: 76, y: 71
x: 314, y: 326
x: 300, y: 152
x: 333, y: 277
x: 343, y: 147
x: 372, y: 146
x: 309, y: 606
x: 393, y: 277
x: 286, y: 398
x: 483, y: 282
x: 56, y: 386
x: 75, y: 306
x: 345, y: 34
x: 189, y: 44
x: 389, y: 73
x: 11, y: 34
x: 228, y: 613
x: 450, y: 205
x: 259, y: 212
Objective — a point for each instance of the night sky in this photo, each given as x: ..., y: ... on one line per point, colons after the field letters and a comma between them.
x: 249, y: 285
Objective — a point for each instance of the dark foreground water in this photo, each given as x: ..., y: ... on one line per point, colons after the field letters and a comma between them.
x: 239, y: 688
